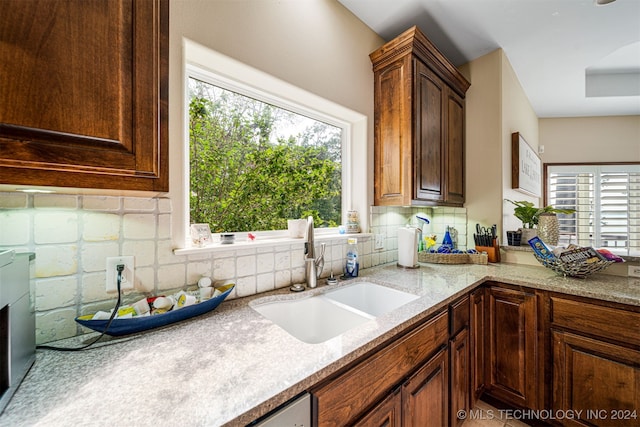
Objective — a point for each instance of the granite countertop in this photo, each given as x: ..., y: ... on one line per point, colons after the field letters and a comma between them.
x: 231, y: 366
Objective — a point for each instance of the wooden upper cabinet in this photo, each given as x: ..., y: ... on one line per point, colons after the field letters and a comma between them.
x: 419, y: 124
x: 84, y: 93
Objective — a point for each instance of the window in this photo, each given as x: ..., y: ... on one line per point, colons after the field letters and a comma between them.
x: 606, y: 199
x: 204, y: 64
x: 253, y: 165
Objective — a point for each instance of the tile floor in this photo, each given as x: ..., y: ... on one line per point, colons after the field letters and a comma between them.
x: 485, y: 415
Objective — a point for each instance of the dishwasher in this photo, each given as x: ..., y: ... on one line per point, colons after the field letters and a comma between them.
x: 296, y: 413
x: 17, y: 323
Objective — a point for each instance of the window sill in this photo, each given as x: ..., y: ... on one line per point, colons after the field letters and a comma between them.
x: 242, y: 242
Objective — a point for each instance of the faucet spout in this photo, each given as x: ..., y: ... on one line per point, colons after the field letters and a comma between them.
x: 313, y: 266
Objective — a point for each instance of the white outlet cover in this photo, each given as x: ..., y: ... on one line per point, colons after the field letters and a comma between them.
x: 127, y: 281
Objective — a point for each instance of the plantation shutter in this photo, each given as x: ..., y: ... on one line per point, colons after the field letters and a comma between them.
x: 606, y: 199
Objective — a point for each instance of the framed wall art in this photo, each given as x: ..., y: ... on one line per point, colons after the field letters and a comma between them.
x: 526, y: 170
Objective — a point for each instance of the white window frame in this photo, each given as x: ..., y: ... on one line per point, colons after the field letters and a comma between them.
x: 597, y: 170
x: 210, y: 66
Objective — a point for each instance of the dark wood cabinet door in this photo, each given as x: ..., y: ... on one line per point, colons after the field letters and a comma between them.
x: 425, y: 395
x: 477, y: 328
x: 429, y: 144
x: 393, y: 137
x: 598, y: 380
x: 459, y: 399
x: 455, y: 148
x: 387, y: 413
x: 85, y: 87
x: 512, y: 346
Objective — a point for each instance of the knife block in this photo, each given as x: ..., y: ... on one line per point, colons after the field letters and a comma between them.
x: 493, y: 252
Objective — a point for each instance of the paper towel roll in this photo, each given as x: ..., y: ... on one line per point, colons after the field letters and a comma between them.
x: 408, y: 247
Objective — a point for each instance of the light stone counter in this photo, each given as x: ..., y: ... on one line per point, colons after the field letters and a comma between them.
x: 231, y: 366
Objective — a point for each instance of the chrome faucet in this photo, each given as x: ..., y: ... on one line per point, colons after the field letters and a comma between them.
x: 313, y: 265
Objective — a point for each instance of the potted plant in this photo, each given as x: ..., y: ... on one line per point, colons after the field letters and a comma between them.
x: 526, y: 212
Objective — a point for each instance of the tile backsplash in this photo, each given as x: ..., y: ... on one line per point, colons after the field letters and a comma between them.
x: 72, y: 235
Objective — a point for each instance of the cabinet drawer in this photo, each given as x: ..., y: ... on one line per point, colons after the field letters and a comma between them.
x: 344, y: 398
x: 459, y: 315
x: 607, y: 322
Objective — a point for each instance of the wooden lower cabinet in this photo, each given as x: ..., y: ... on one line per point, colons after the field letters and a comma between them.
x: 595, y: 362
x: 387, y: 413
x: 416, y: 362
x: 421, y: 401
x: 460, y: 366
x: 596, y: 380
x: 425, y: 395
x: 512, y: 347
x: 476, y: 342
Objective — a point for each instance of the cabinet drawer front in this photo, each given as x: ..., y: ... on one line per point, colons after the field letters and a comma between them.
x: 459, y: 315
x: 606, y: 322
x: 340, y: 401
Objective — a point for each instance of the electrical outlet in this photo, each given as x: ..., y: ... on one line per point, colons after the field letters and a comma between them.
x: 127, y: 280
x: 379, y: 241
x: 634, y: 271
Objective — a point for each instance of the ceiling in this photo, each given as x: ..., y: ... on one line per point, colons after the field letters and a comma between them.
x: 561, y: 50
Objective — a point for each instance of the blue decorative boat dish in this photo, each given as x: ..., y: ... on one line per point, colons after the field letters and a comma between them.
x: 133, y: 325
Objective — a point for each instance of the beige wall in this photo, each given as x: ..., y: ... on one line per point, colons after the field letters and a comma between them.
x: 590, y: 139
x: 315, y: 45
x: 496, y: 106
x: 517, y: 116
x: 483, y: 153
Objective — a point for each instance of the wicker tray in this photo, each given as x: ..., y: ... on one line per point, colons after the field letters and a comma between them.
x: 452, y: 258
x: 579, y: 269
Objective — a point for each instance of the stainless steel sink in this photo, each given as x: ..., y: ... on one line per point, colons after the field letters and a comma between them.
x: 318, y: 318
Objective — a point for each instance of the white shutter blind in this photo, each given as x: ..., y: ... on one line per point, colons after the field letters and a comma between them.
x: 607, y: 203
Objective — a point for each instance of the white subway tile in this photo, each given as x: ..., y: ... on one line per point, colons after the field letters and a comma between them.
x: 196, y: 270
x: 282, y: 261
x: 55, y: 227
x: 266, y: 282
x: 139, y: 226
x: 246, y: 266
x: 15, y: 228
x: 55, y: 293
x: 164, y: 205
x: 139, y: 204
x: 57, y: 201
x: 13, y: 200
x: 224, y: 269
x: 246, y: 286
x: 171, y: 276
x: 297, y: 275
x: 55, y: 325
x: 143, y: 251
x: 94, y: 255
x: 283, y: 278
x: 94, y: 287
x: 100, y: 203
x: 265, y: 263
x: 164, y: 226
x: 58, y: 260
x: 99, y: 227
x: 145, y: 280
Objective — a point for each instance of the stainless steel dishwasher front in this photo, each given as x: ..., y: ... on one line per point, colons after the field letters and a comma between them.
x: 294, y: 414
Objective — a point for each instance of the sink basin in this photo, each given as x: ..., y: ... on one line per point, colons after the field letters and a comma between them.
x: 370, y: 298
x: 319, y: 318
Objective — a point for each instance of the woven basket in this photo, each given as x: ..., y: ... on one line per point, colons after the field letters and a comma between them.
x: 579, y: 269
x: 452, y: 258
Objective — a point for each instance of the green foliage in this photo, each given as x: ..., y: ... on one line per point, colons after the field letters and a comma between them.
x: 244, y: 180
x: 526, y: 212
